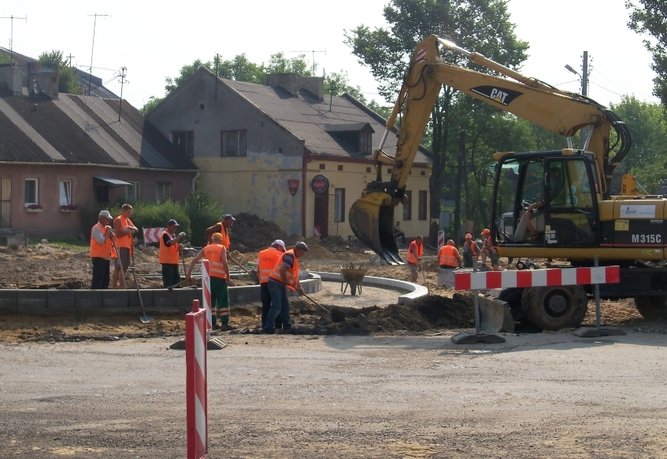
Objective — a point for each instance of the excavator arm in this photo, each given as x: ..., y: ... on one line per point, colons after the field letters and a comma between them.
x: 371, y: 216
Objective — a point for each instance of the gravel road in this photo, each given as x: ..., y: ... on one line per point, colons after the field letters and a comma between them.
x: 537, y: 395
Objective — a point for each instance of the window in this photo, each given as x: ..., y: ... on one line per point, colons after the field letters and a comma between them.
x: 184, y: 141
x: 5, y: 201
x: 340, y: 167
x: 233, y: 143
x: 407, y: 206
x: 133, y: 192
x: 65, y: 193
x: 339, y: 205
x: 31, y: 192
x: 421, y: 205
x: 163, y: 191
x: 365, y: 143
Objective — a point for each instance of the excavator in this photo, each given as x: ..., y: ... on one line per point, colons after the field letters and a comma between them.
x: 555, y: 205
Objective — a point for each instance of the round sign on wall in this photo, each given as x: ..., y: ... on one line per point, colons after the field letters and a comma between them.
x: 319, y: 184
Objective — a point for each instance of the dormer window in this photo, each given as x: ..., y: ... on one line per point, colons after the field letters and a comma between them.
x: 354, y: 137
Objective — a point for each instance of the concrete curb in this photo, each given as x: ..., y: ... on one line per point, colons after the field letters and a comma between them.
x: 166, y: 301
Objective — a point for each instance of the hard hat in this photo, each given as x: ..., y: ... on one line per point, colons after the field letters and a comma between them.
x: 278, y: 243
x: 105, y: 214
x: 486, y: 231
x: 301, y: 245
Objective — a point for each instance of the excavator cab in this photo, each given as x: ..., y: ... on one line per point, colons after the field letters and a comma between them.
x: 545, y: 199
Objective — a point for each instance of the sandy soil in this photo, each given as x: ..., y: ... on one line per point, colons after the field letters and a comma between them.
x: 47, y: 265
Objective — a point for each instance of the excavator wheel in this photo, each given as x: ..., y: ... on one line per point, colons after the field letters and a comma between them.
x: 553, y: 308
x: 652, y: 307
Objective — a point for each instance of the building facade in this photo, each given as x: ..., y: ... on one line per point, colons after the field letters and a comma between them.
x: 285, y: 151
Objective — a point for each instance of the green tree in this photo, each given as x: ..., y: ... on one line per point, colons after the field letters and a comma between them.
x: 480, y: 25
x: 648, y: 158
x: 650, y: 17
x: 67, y: 80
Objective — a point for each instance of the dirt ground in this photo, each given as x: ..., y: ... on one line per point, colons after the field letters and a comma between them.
x: 386, y: 381
x: 47, y: 265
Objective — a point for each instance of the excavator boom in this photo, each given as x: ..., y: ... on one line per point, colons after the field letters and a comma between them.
x: 372, y: 215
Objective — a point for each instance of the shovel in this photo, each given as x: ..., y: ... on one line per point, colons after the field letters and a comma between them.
x: 144, y: 318
x: 335, y: 315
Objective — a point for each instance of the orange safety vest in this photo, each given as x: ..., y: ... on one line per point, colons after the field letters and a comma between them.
x: 448, y: 256
x: 414, y: 252
x: 226, y: 240
x: 168, y: 254
x: 124, y: 240
x: 266, y: 261
x: 213, y: 253
x: 98, y: 250
x: 292, y: 274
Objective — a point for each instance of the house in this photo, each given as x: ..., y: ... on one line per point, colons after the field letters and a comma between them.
x: 63, y: 156
x: 285, y: 151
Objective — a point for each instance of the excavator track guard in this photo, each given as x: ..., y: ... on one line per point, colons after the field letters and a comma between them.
x: 372, y: 222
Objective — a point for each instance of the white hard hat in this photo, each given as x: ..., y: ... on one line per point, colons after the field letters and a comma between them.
x: 278, y: 243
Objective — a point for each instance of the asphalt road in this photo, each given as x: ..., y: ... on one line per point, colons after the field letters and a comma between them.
x: 537, y: 395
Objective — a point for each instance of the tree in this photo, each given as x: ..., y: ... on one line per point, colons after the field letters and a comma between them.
x: 480, y: 25
x: 650, y: 17
x: 67, y: 80
x: 648, y: 159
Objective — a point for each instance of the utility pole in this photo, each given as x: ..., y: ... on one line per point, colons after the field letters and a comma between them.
x: 583, y: 76
x: 313, y: 51
x: 11, y: 36
x: 123, y: 80
x: 69, y: 58
x: 90, y: 69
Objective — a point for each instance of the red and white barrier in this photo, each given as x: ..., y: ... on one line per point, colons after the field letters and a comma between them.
x: 441, y: 238
x: 536, y: 278
x: 152, y: 235
x: 206, y: 293
x: 196, y: 386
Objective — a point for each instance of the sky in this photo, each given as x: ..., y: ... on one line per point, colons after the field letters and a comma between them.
x: 154, y: 39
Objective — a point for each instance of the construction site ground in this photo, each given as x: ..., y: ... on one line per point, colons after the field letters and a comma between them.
x: 386, y: 381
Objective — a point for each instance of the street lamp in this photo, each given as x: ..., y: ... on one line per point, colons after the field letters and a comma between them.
x: 569, y: 68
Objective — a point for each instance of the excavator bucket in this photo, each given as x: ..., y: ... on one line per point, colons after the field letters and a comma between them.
x: 372, y: 222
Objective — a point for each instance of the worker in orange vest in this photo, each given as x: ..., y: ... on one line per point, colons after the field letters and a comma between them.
x: 449, y: 256
x: 124, y: 230
x: 266, y: 261
x: 415, y: 254
x: 170, y: 253
x: 490, y: 251
x: 101, y: 249
x: 216, y: 254
x: 285, y: 275
x: 224, y: 228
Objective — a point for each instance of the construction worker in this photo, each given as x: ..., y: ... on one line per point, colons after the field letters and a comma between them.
x: 216, y: 254
x: 449, y: 256
x: 449, y: 259
x: 285, y: 275
x: 101, y: 249
x: 489, y: 251
x: 415, y: 254
x: 470, y: 251
x: 223, y: 227
x: 169, y: 254
x: 124, y: 230
x: 266, y: 261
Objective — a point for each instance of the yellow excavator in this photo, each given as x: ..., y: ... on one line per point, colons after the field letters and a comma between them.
x: 550, y: 204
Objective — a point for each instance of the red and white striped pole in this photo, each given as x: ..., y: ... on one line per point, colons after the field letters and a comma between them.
x: 196, y: 386
x: 206, y: 293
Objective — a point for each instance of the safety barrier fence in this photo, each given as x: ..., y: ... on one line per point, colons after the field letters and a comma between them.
x: 551, y: 277
x: 483, y: 280
x: 196, y: 337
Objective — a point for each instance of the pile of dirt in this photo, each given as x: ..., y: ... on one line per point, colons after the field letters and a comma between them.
x: 251, y: 233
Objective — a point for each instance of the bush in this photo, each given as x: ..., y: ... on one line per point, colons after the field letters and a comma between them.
x: 203, y: 212
x: 151, y: 215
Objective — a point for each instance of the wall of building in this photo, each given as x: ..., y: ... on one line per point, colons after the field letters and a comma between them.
x: 51, y: 220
